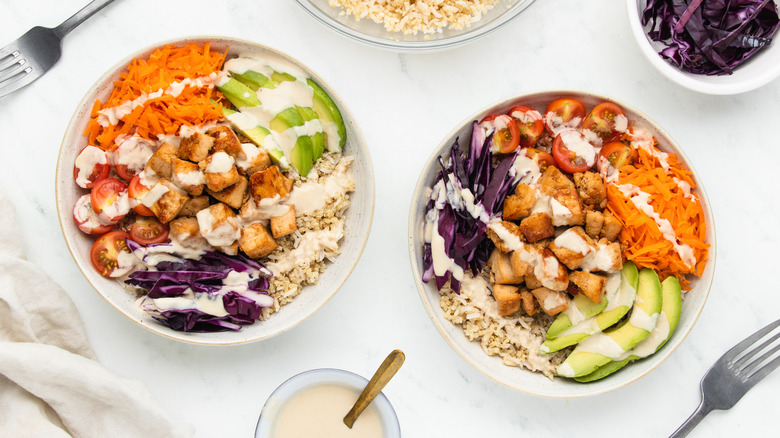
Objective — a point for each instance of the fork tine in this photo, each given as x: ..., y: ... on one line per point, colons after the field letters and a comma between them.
x: 9, y: 58
x: 743, y: 360
x: 16, y: 82
x: 748, y: 369
x: 750, y: 340
x: 763, y: 371
x: 12, y: 70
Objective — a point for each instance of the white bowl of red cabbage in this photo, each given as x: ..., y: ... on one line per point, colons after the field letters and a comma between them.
x: 214, y: 285
x: 452, y: 229
x: 712, y: 47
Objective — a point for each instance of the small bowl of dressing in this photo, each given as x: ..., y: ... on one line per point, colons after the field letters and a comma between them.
x: 314, y: 403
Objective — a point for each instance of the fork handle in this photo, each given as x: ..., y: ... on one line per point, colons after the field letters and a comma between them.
x: 686, y: 428
x: 80, y: 16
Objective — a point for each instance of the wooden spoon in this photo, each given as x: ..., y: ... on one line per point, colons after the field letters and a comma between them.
x: 383, y: 374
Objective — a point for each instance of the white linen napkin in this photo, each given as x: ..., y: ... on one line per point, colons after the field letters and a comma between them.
x: 50, y: 383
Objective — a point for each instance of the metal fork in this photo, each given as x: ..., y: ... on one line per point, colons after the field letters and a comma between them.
x: 734, y: 374
x: 35, y: 52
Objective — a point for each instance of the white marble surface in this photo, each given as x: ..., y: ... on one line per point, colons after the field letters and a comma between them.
x: 405, y: 103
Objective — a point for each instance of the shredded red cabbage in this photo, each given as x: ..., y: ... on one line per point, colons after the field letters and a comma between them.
x: 711, y: 37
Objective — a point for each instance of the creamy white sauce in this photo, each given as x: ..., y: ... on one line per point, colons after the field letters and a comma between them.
x: 511, y: 240
x: 246, y: 158
x: 560, y: 213
x: 602, y: 344
x: 651, y: 344
x: 312, y: 246
x: 85, y: 215
x: 154, y: 195
x: 116, y: 208
x: 220, y: 162
x: 572, y: 241
x: 188, y: 179
x: 86, y: 161
x: 576, y: 142
x: 133, y: 152
x: 223, y: 233
x: 640, y: 319
x: 524, y: 170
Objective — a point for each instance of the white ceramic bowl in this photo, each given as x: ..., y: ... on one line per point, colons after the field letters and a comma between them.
x: 761, y: 69
x: 369, y: 32
x: 492, y: 366
x: 357, y: 226
x: 324, y: 376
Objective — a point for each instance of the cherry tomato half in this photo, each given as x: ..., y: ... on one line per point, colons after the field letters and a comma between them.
x: 506, y: 135
x: 109, y: 199
x: 542, y: 158
x: 572, y: 152
x: 616, y: 155
x: 131, y: 155
x: 563, y: 113
x: 91, y: 165
x: 607, y: 121
x: 148, y: 230
x: 106, y: 254
x: 86, y: 218
x: 137, y: 190
x: 529, y: 123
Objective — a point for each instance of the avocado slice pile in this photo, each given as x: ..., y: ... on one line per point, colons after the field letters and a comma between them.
x: 632, y: 322
x: 326, y: 133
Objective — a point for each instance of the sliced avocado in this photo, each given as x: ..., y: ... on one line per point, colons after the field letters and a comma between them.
x: 282, y: 77
x: 584, y: 307
x: 318, y: 139
x: 239, y: 94
x: 671, y: 308
x: 329, y: 114
x: 259, y: 136
x: 285, y: 120
x: 301, y: 157
x: 619, y: 303
x: 255, y: 80
x: 602, y: 348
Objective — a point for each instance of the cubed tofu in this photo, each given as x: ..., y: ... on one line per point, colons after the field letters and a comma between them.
x: 508, y: 299
x: 536, y: 227
x: 591, y: 188
x: 520, y: 204
x: 194, y: 205
x: 566, y: 208
x: 168, y: 206
x: 594, y: 221
x: 161, y: 160
x: 252, y: 160
x: 225, y: 140
x: 591, y: 285
x: 501, y: 271
x: 219, y: 225
x: 505, y: 235
x: 219, y: 171
x: 606, y: 258
x: 256, y: 241
x: 530, y: 307
x: 572, y: 246
x: 196, y: 147
x: 552, y: 273
x: 612, y: 227
x: 552, y: 302
x: 284, y: 224
x: 188, y: 176
x: 552, y: 180
x: 520, y: 267
x: 186, y: 232
x: 531, y: 282
x: 234, y: 195
x: 269, y: 183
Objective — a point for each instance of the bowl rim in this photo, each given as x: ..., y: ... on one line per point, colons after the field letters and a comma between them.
x: 322, y: 376
x: 469, y: 34
x: 431, y: 307
x: 690, y: 80
x: 63, y: 215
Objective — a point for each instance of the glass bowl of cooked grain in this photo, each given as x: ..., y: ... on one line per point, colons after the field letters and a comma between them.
x: 419, y: 26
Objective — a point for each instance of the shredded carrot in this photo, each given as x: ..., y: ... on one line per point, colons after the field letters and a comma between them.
x: 165, y: 114
x: 641, y: 237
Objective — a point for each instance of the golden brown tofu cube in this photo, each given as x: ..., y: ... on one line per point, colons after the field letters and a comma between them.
x: 552, y: 273
x: 256, y: 241
x: 520, y: 267
x: 501, y: 271
x: 529, y: 303
x: 235, y: 195
x: 170, y: 203
x: 188, y: 176
x: 594, y: 221
x: 591, y: 285
x: 552, y: 302
x: 186, y: 232
x: 607, y: 257
x: 591, y: 188
x: 566, y: 208
x: 219, y: 171
x: 505, y: 235
x: 553, y: 179
x: 284, y: 224
x: 196, y: 147
x: 269, y: 183
x: 572, y: 246
x: 531, y: 282
x: 252, y: 160
x: 225, y: 140
x: 520, y: 204
x: 508, y: 299
x: 536, y: 227
x: 194, y: 205
x: 161, y: 160
x: 612, y: 227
